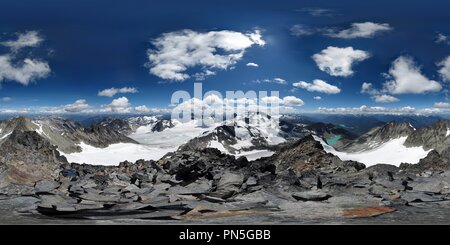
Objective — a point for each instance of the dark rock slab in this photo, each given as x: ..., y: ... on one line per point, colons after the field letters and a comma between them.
x: 315, y: 196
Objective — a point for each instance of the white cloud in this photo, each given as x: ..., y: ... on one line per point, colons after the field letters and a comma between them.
x: 293, y: 101
x: 407, y: 78
x: 27, y: 39
x: 445, y: 69
x: 5, y: 99
x: 442, y: 105
x: 272, y: 100
x: 24, y: 73
x: 176, y: 52
x: 359, y: 30
x: 338, y: 61
x: 274, y: 80
x: 441, y: 38
x: 317, y: 97
x: 142, y: 109
x: 384, y: 98
x: 120, y: 105
x: 318, y: 86
x: 110, y: 92
x: 379, y: 110
x: 251, y: 64
x: 301, y: 30
x: 279, y: 80
x: 367, y: 88
x: 77, y: 106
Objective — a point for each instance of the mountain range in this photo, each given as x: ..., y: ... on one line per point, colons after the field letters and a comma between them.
x: 151, y: 166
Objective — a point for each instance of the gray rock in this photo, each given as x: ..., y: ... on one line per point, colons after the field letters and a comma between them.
x: 229, y: 178
x: 200, y: 186
x: 229, y: 184
x: 14, y: 189
x: 100, y: 198
x: 316, y: 196
x: 21, y: 203
x: 123, y: 177
x: 76, y: 189
x: 420, y: 197
x: 45, y: 186
x: 51, y: 201
x: 251, y: 181
x: 131, y: 188
x: 435, y: 184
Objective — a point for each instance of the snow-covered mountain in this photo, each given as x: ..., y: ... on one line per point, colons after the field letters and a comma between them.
x: 67, y: 135
x: 378, y: 136
x: 248, y: 136
x: 394, y: 143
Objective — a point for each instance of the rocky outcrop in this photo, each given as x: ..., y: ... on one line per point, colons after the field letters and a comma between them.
x: 435, y: 136
x: 64, y: 133
x: 229, y: 136
x: 26, y: 157
x: 433, y: 162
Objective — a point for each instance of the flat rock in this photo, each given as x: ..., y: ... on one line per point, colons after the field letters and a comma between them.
x: 420, y: 197
x: 45, y: 186
x: 436, y: 184
x: 316, y: 196
x: 14, y: 189
x: 229, y: 178
x: 100, y: 198
x: 21, y: 203
x: 251, y: 181
x: 200, y: 186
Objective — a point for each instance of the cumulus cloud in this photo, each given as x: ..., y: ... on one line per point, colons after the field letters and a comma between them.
x: 142, y: 109
x: 293, y: 101
x: 272, y: 100
x: 407, y: 78
x: 24, y: 72
x: 251, y: 64
x: 301, y: 30
x: 26, y: 39
x: 384, y: 98
x: 444, y: 71
x: 317, y: 97
x: 442, y: 105
x: 77, y: 106
x: 5, y: 99
x: 110, y: 92
x: 367, y: 88
x: 176, y: 52
x: 378, y: 110
x: 339, y: 61
x: 120, y: 105
x: 318, y: 86
x: 359, y: 30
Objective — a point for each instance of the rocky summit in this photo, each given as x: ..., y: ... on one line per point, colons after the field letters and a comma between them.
x: 299, y: 183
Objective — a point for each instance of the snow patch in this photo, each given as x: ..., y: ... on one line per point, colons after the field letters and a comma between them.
x: 448, y: 133
x: 250, y: 155
x: 170, y: 137
x: 6, y: 135
x: 115, y: 154
x: 393, y: 152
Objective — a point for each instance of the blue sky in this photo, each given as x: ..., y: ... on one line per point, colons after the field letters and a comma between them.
x: 83, y: 47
